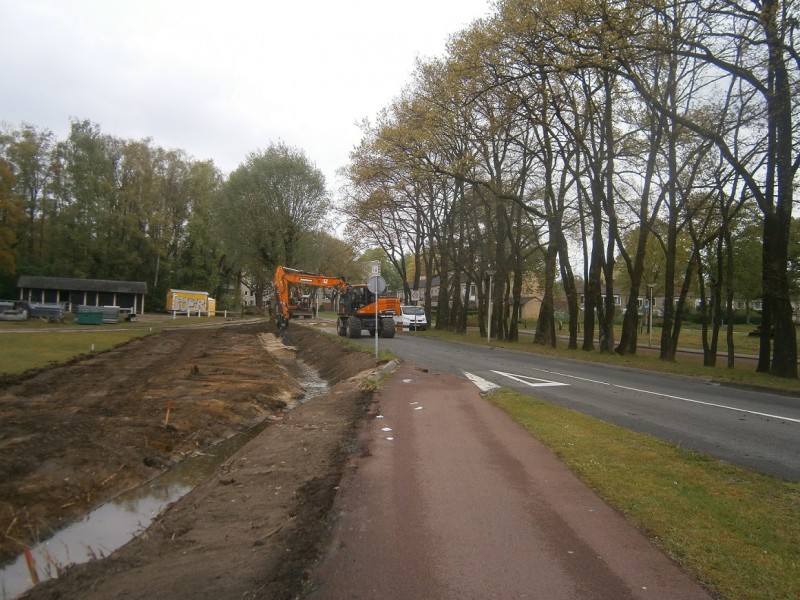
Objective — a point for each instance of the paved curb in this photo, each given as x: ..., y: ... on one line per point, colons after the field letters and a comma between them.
x: 383, y: 370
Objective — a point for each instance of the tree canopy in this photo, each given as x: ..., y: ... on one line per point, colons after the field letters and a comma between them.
x: 598, y: 145
x: 559, y: 128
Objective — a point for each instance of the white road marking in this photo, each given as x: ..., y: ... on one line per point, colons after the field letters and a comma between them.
x: 681, y: 398
x: 483, y: 384
x: 530, y: 380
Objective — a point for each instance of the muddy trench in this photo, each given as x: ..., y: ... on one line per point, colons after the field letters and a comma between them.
x: 256, y: 359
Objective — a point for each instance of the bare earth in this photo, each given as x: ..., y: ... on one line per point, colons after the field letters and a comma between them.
x: 75, y: 436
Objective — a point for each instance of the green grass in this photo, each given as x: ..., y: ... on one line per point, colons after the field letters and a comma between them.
x: 25, y: 351
x: 735, y: 530
x: 384, y: 356
x: 691, y: 336
x: 37, y: 343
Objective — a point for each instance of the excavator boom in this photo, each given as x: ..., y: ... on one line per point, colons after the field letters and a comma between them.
x: 284, y: 276
x: 357, y: 305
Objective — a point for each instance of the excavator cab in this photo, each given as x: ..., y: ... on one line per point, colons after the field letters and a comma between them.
x: 359, y: 308
x: 356, y: 297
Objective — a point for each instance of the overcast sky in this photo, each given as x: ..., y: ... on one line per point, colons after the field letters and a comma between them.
x: 219, y: 79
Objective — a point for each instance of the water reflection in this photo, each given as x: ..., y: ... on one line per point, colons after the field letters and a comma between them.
x: 115, y: 523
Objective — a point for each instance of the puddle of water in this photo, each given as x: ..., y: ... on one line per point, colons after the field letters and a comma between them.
x: 312, y: 383
x: 106, y: 528
x: 117, y: 522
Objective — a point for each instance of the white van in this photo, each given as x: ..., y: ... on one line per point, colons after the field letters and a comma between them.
x: 412, y: 318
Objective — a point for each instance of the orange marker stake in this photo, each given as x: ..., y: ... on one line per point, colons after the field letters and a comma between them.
x: 169, y: 408
x: 31, y: 566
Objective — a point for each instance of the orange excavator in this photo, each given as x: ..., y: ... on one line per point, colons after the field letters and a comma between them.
x: 357, y: 305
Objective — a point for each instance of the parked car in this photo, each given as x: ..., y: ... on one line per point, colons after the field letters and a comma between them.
x: 412, y: 318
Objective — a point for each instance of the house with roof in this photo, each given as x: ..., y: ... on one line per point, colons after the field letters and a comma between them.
x: 530, y: 300
x: 73, y: 292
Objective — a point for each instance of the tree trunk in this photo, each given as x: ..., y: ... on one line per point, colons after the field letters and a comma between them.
x: 591, y: 296
x: 570, y: 290
x: 775, y: 275
x: 546, y: 324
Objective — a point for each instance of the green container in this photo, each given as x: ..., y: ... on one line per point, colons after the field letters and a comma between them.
x: 89, y: 318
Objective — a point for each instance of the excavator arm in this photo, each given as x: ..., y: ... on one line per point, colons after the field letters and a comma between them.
x: 285, y: 276
x: 357, y: 306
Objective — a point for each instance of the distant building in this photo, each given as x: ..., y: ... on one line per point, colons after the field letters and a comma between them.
x: 83, y: 292
x: 530, y: 300
x: 248, y: 295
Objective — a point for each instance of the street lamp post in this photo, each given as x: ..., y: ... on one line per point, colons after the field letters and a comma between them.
x: 491, y: 273
x: 650, y: 287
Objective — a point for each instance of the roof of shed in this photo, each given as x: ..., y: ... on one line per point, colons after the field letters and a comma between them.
x: 81, y: 285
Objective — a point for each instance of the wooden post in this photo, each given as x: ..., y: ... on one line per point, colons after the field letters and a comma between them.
x: 31, y: 566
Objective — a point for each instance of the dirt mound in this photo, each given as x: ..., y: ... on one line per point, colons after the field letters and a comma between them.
x: 75, y: 436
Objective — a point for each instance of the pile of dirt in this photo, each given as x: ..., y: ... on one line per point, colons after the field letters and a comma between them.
x: 75, y: 436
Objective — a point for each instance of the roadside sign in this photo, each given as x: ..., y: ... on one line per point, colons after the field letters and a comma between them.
x: 374, y: 267
x: 376, y: 284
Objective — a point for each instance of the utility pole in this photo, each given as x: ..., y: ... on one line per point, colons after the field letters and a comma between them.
x: 491, y: 273
x: 650, y: 287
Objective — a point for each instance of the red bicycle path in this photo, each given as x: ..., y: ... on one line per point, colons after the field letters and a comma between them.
x: 455, y: 500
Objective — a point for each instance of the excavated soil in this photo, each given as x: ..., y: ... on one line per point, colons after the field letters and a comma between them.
x: 74, y: 436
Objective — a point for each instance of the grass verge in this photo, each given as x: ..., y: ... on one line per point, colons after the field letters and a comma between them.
x: 734, y: 530
x: 384, y: 356
x: 23, y: 352
x: 37, y: 344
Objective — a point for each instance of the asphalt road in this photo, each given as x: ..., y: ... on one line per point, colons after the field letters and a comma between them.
x: 754, y: 429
